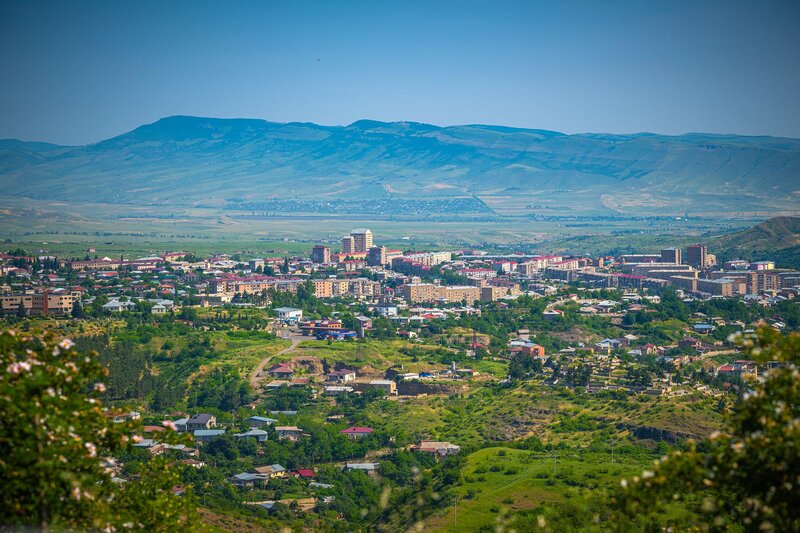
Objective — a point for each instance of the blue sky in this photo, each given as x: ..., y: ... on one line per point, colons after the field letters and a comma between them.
x: 78, y: 72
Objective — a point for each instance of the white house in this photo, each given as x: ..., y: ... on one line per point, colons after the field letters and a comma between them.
x: 289, y: 314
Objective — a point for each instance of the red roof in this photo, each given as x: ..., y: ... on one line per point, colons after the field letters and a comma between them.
x: 357, y: 430
x: 304, y: 472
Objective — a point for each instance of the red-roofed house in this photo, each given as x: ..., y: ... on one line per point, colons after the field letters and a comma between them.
x: 357, y: 432
x: 281, y: 371
x: 305, y: 473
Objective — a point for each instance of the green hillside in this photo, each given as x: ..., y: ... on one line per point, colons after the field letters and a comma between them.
x: 777, y: 239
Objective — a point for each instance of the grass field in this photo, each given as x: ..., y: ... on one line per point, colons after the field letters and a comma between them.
x: 498, y: 481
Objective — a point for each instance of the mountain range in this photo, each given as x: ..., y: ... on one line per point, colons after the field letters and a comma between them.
x: 254, y: 164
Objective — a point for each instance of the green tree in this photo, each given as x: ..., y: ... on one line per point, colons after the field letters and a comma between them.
x: 55, y: 444
x: 77, y: 310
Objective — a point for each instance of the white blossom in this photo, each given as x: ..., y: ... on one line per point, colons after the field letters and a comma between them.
x: 66, y: 344
x: 18, y: 367
x: 91, y: 448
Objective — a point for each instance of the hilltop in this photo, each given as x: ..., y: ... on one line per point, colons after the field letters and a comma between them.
x: 777, y: 238
x: 250, y: 165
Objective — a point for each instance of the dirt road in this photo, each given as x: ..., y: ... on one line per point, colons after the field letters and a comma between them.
x: 254, y: 375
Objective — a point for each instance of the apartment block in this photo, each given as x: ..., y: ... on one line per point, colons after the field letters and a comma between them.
x: 428, y: 292
x: 362, y: 240
x: 321, y: 254
x: 491, y: 294
x: 717, y: 287
x: 696, y: 255
x: 430, y: 258
x: 323, y: 288
x: 348, y: 244
x: 377, y: 256
x: 687, y: 283
x: 671, y: 255
x: 59, y: 302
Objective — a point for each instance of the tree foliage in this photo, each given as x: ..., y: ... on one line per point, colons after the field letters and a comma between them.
x: 55, y: 444
x: 745, y: 477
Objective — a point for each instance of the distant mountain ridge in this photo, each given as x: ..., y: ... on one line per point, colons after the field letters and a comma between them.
x: 183, y: 160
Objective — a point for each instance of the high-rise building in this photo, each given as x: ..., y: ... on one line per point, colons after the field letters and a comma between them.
x: 377, y: 256
x: 696, y: 255
x: 321, y: 254
x: 671, y: 255
x: 362, y: 239
x: 348, y: 245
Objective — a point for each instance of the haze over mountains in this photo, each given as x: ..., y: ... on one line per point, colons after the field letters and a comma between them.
x: 247, y: 163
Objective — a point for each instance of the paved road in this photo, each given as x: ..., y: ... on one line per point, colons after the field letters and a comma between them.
x: 254, y: 375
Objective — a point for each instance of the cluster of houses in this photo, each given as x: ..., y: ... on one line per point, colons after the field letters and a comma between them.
x: 204, y: 429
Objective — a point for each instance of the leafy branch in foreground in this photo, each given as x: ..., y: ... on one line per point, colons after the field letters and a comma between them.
x: 57, y: 443
x: 747, y: 477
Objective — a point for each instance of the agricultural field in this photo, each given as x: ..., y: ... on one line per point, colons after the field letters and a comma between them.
x: 68, y: 229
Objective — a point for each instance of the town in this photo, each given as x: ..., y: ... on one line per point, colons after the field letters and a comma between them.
x: 298, y: 378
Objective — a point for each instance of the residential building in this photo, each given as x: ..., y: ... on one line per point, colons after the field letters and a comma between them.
x: 348, y: 245
x: 201, y: 421
x: 377, y: 256
x: 370, y: 469
x: 492, y: 293
x: 428, y: 292
x: 49, y: 302
x: 253, y: 264
x: 430, y: 258
x: 762, y: 265
x: 291, y: 433
x: 357, y: 432
x: 323, y: 288
x: 717, y: 287
x: 321, y: 254
x: 389, y: 387
x: 289, y: 314
x: 270, y: 471
x: 259, y: 421
x: 696, y: 255
x: 671, y: 255
x: 362, y: 240
x: 253, y: 433
x: 281, y: 371
x: 206, y: 435
x: 386, y: 310
x: 342, y: 376
x: 441, y: 449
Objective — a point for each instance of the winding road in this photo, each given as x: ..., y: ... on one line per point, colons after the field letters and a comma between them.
x: 254, y: 375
